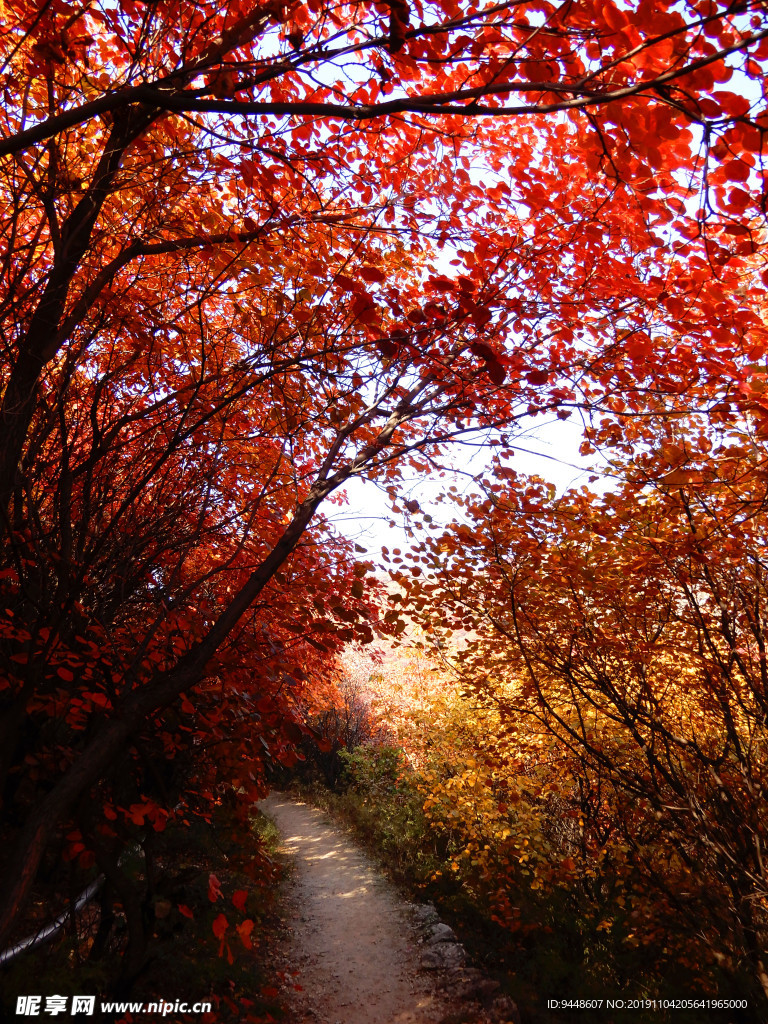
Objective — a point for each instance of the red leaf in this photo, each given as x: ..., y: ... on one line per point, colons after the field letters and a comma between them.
x: 239, y: 897
x: 496, y: 372
x: 220, y: 925
x: 372, y: 274
x: 214, y: 888
x: 614, y: 18
x: 484, y: 351
x: 293, y: 731
x: 737, y: 170
x: 137, y: 813
x: 87, y: 859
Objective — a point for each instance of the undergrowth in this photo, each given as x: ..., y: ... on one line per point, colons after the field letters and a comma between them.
x: 202, y: 871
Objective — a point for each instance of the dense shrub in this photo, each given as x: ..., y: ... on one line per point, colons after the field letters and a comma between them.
x: 526, y: 855
x: 335, y: 731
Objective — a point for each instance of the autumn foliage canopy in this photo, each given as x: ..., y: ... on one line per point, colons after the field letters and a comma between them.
x: 251, y: 251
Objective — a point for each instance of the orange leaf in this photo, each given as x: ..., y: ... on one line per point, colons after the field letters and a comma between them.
x: 244, y: 931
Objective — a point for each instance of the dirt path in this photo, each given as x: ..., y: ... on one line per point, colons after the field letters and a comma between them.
x: 353, y: 952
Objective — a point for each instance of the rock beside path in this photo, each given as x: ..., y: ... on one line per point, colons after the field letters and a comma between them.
x: 473, y: 996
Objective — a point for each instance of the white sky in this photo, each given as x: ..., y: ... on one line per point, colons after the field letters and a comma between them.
x: 552, y: 453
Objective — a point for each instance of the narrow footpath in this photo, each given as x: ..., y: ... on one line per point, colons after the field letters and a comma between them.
x: 354, y: 957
